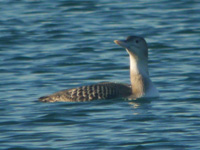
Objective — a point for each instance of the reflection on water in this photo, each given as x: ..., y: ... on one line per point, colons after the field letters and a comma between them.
x: 140, y: 104
x: 134, y: 105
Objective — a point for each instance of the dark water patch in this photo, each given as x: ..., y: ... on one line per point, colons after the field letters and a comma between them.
x: 21, y: 58
x: 76, y: 3
x: 19, y: 148
x: 159, y: 46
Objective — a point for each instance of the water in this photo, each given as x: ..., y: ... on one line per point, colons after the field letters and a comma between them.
x: 47, y: 46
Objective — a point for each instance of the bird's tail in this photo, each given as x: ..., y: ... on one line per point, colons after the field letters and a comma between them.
x: 46, y: 99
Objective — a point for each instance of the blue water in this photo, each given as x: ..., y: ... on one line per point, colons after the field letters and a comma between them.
x: 47, y: 46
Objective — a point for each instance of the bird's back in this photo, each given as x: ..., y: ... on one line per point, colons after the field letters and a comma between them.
x: 105, y: 90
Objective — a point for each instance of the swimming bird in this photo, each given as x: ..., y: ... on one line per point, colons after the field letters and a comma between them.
x: 141, y: 84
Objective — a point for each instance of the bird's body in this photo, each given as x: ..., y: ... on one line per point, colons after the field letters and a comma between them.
x: 105, y: 90
x: 141, y: 84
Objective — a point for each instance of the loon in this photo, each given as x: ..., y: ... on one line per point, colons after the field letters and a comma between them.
x: 141, y: 84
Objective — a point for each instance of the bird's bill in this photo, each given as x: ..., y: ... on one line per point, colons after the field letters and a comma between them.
x: 121, y: 43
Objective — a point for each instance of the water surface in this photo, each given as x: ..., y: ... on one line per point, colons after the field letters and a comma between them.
x: 47, y: 46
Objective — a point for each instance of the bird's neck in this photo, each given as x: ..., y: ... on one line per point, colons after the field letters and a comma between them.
x: 139, y: 76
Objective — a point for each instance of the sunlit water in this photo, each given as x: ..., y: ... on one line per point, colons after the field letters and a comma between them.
x: 47, y: 46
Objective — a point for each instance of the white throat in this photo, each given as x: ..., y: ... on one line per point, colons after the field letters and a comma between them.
x: 141, y: 84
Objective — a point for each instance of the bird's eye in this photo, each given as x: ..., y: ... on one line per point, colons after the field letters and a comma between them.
x: 137, y: 41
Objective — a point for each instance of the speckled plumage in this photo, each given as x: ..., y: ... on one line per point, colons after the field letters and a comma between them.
x: 105, y: 90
